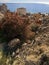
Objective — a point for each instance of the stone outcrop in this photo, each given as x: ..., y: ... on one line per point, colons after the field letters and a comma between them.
x: 3, y: 8
x: 1, y: 16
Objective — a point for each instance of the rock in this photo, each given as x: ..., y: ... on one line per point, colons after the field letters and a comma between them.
x: 1, y: 16
x: 17, y: 51
x: 18, y: 61
x: 14, y: 42
x: 13, y: 54
x: 28, y: 41
x: 3, y: 8
x: 38, y: 40
x: 44, y: 60
x: 29, y: 63
x: 24, y: 44
x: 32, y: 42
x: 0, y: 54
x: 13, y: 45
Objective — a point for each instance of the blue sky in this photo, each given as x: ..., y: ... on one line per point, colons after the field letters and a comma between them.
x: 40, y: 6
x: 25, y: 1
x: 31, y: 7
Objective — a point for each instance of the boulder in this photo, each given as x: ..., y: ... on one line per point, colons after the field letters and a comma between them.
x: 1, y: 16
x: 14, y: 42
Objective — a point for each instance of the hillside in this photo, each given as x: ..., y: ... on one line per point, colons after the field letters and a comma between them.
x: 24, y: 39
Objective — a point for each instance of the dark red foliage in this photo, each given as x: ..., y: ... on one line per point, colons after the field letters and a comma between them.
x: 13, y: 26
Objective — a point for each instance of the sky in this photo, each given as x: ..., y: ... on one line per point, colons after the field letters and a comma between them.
x: 25, y: 1
x: 30, y: 7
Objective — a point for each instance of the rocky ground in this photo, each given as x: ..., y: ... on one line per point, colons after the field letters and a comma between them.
x: 32, y: 52
x: 35, y: 52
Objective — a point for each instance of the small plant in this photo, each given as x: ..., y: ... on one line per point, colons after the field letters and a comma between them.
x: 34, y: 28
